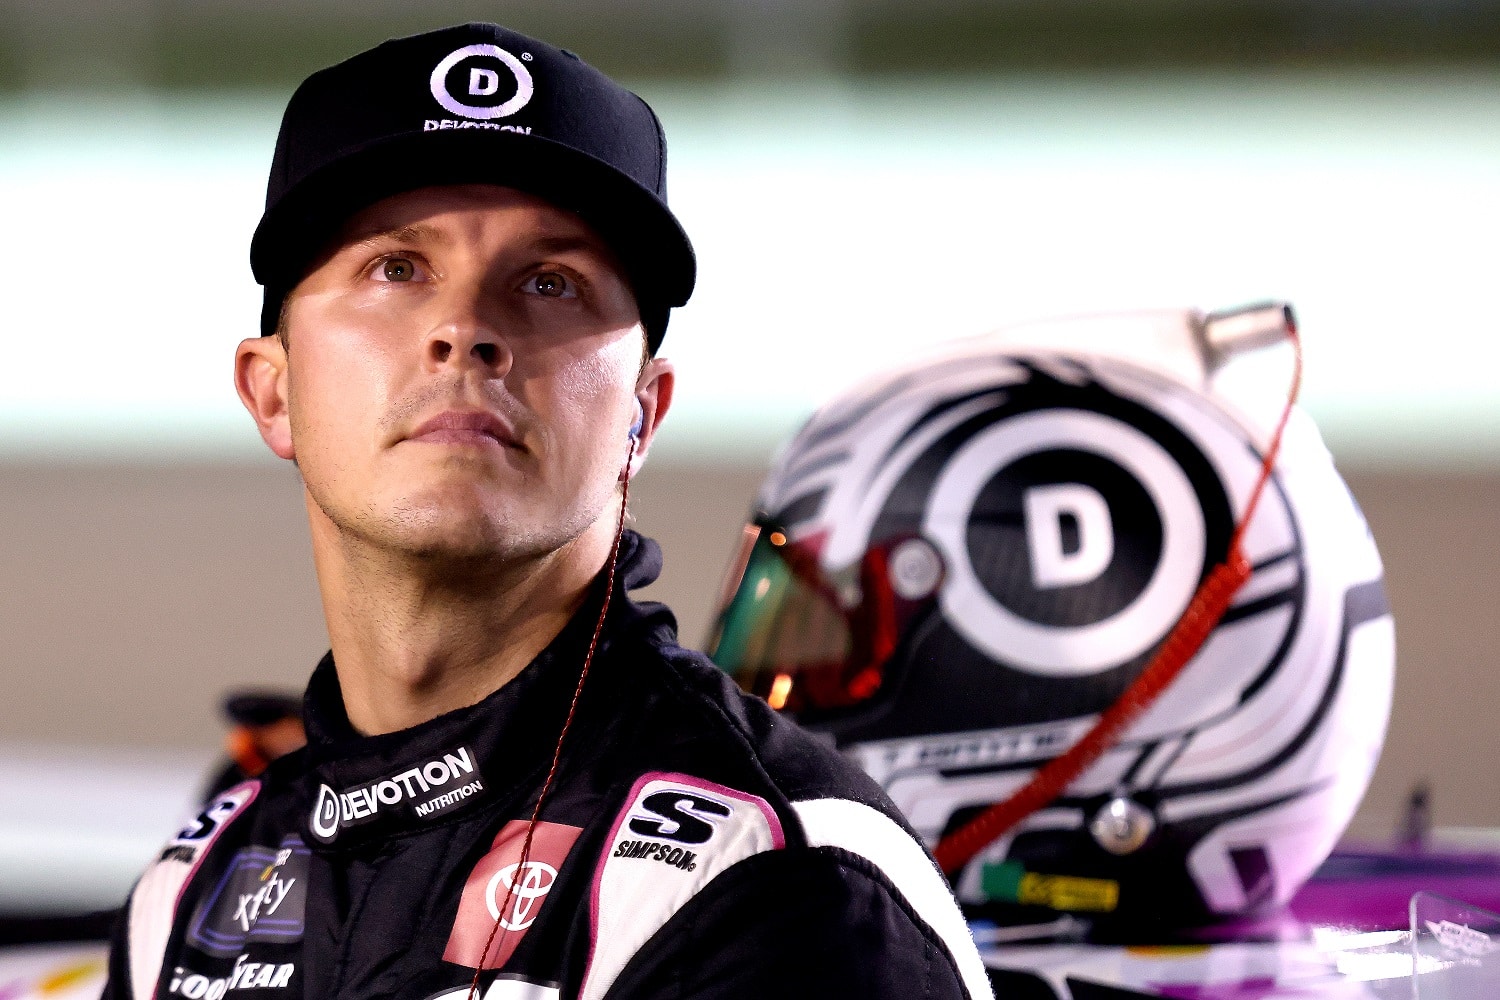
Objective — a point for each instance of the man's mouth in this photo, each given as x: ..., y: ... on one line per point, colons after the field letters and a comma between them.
x: 476, y: 428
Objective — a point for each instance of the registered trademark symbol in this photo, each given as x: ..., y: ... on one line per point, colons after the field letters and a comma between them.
x: 526, y: 56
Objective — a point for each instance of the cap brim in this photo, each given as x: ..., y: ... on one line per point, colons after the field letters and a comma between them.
x: 638, y: 226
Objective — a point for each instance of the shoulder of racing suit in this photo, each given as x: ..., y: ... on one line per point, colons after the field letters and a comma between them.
x: 821, y: 843
x: 145, y: 926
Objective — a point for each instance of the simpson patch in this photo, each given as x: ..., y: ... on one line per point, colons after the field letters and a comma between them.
x: 675, y: 834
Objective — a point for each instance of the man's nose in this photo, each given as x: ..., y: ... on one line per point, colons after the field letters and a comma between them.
x: 465, y: 336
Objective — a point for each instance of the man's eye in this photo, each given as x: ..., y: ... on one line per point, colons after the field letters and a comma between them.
x: 552, y: 284
x: 398, y: 269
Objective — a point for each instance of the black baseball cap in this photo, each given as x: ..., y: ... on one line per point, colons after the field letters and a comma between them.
x: 475, y: 103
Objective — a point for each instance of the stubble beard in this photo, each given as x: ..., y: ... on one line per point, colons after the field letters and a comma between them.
x: 456, y: 541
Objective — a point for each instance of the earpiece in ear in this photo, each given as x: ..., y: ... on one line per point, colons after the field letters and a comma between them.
x: 640, y: 418
x: 631, y: 436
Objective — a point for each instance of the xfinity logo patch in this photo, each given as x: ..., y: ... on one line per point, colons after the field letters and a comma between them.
x: 261, y: 897
x: 482, y: 82
x: 424, y: 792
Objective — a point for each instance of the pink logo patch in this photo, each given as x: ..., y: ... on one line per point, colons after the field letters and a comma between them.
x: 500, y: 891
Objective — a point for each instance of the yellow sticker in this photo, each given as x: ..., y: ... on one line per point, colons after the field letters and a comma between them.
x: 1167, y: 950
x: 1068, y: 892
x: 70, y: 976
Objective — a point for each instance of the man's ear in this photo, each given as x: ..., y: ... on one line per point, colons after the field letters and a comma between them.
x: 653, y: 391
x: 260, y: 377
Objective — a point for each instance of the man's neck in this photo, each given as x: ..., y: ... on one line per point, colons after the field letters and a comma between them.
x: 413, y: 639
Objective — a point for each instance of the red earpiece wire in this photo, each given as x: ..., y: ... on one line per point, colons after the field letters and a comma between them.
x: 1181, y: 644
x: 588, y: 661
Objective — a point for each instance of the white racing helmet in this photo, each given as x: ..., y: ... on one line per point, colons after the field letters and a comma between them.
x: 957, y: 567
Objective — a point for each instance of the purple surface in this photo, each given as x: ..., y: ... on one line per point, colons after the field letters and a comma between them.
x: 1372, y: 890
x: 1251, y: 989
x: 1368, y: 890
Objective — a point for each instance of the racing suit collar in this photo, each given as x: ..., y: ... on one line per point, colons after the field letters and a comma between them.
x: 363, y: 789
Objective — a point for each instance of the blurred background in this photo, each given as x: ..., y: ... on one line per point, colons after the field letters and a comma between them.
x: 862, y: 178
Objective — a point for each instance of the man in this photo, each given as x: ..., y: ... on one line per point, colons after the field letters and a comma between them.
x: 516, y: 784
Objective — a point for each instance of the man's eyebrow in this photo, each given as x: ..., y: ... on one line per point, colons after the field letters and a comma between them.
x: 416, y: 233
x: 570, y: 244
x: 420, y: 233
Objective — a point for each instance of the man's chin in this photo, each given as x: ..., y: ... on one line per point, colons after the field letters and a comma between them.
x: 457, y: 521
x: 447, y: 536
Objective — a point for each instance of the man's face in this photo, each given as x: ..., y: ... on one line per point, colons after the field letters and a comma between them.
x: 461, y: 370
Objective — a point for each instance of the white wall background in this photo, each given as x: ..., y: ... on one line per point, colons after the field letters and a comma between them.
x: 838, y: 226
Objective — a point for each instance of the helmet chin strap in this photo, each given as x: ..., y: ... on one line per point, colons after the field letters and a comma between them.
x: 588, y: 661
x: 1181, y: 644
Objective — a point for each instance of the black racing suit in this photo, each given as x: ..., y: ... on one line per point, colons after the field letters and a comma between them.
x: 694, y: 845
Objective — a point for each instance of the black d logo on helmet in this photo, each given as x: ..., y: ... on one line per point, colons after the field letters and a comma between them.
x: 957, y: 568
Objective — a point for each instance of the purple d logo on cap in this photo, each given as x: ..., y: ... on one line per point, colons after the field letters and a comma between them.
x: 483, y: 80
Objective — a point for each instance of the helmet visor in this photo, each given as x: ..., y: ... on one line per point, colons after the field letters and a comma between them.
x: 806, y: 640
